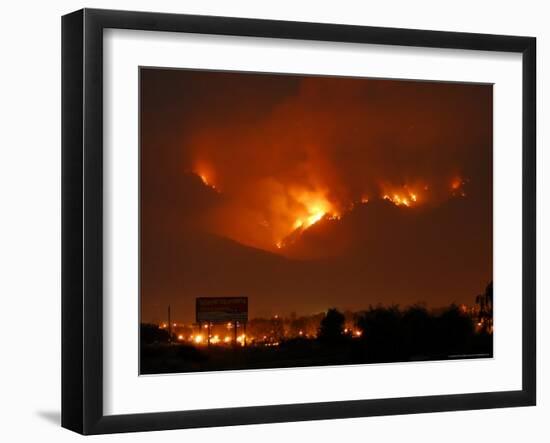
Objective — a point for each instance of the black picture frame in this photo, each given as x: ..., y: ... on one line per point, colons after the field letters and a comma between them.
x: 82, y: 220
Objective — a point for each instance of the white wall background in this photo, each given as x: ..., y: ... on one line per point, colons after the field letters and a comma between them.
x: 30, y: 218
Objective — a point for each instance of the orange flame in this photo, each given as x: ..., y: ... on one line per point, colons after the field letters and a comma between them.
x: 405, y: 198
x: 311, y: 207
x: 408, y: 195
x: 315, y: 206
x: 207, y: 182
x: 294, y: 208
x: 204, y: 179
x: 206, y: 174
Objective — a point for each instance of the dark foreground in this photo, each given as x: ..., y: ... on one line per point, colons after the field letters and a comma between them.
x: 383, y: 335
x: 165, y: 358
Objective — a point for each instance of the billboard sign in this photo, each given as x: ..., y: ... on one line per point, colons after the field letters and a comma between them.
x: 221, y: 309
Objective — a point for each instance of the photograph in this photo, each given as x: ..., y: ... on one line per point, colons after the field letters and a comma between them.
x: 271, y: 222
x: 290, y: 220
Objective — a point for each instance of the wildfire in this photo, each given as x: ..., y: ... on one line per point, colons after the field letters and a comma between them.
x: 406, y: 195
x: 406, y: 199
x: 317, y: 215
x: 312, y: 207
x: 206, y: 173
x: 315, y: 206
x: 206, y: 181
x: 294, y: 208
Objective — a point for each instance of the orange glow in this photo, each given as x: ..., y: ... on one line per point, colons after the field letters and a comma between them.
x: 298, y: 224
x: 206, y: 174
x: 309, y: 207
x: 206, y: 181
x: 198, y: 339
x: 457, y: 187
x: 295, y: 208
x: 215, y: 339
x: 406, y: 195
x: 314, y: 207
x: 317, y: 215
x: 401, y: 199
x: 456, y: 183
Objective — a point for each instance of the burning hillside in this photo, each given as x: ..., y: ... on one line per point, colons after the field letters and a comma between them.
x: 303, y: 208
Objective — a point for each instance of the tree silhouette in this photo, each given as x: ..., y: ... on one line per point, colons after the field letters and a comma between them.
x: 416, y: 330
x: 382, y: 335
x: 150, y: 333
x: 484, y: 304
x: 332, y: 326
x: 454, y: 331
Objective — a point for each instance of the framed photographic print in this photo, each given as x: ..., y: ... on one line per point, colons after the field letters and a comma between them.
x: 269, y: 221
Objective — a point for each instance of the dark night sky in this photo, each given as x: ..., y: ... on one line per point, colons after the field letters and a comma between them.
x: 288, y: 163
